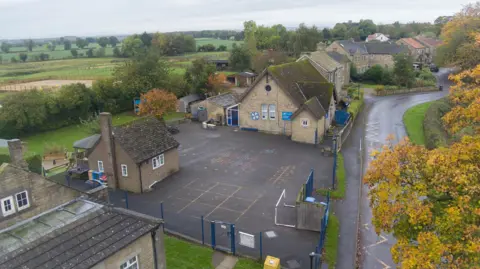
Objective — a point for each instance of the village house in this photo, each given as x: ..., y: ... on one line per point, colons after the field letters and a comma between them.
x: 344, y: 61
x: 431, y: 46
x: 377, y: 37
x: 221, y: 109
x: 49, y: 225
x: 133, y: 156
x: 383, y: 53
x: 417, y: 50
x: 291, y: 99
x: 355, y: 51
x: 185, y: 102
x: 244, y: 79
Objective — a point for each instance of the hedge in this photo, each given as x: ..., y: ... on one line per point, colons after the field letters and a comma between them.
x: 355, y: 106
x: 34, y: 161
x: 435, y: 134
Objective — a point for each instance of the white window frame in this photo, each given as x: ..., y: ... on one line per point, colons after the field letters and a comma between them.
x: 158, y: 161
x: 24, y: 206
x: 264, y: 109
x: 124, y: 172
x: 272, y: 112
x: 130, y: 265
x: 100, y: 165
x: 12, y: 206
x: 304, y: 122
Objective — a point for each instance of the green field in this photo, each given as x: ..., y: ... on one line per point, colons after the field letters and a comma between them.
x: 413, y: 120
x: 216, y: 42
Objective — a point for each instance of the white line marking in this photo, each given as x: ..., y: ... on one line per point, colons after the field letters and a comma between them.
x: 216, y: 184
x: 231, y: 195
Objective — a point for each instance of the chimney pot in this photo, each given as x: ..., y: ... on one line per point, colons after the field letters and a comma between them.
x: 15, y: 149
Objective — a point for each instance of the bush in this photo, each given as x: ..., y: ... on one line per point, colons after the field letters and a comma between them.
x: 433, y: 128
x: 374, y: 74
x: 355, y: 107
x: 13, y: 60
x: 379, y: 88
x: 34, y: 161
x: 100, y: 52
x: 391, y: 88
x: 110, y: 97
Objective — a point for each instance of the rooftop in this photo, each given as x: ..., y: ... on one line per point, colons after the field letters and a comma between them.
x: 87, y: 142
x: 428, y: 41
x: 76, y: 235
x: 323, y: 59
x: 224, y: 100
x: 412, y: 42
x: 384, y: 48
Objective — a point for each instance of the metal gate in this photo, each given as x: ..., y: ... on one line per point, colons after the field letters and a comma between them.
x: 223, y: 236
x: 232, y: 115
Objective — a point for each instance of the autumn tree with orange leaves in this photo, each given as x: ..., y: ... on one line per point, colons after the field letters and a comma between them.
x: 157, y: 102
x: 216, y: 82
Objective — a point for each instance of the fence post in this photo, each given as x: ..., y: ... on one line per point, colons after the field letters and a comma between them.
x: 126, y: 199
x: 161, y: 215
x: 334, y: 161
x: 317, y: 258
x: 232, y: 238
x: 212, y: 231
x: 261, y: 247
x: 203, y: 233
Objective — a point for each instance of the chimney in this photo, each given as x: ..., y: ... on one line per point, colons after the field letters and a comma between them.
x: 16, y: 153
x: 109, y: 166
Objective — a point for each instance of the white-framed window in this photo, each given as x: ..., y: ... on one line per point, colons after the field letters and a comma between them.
x: 264, y: 111
x: 124, y: 170
x: 158, y: 161
x: 100, y: 166
x: 272, y: 111
x: 22, y: 200
x: 7, y: 206
x: 304, y: 122
x: 132, y: 263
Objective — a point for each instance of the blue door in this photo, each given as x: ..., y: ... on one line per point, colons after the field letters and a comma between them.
x: 232, y: 116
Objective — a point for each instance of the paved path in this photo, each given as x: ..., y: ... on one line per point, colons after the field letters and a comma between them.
x: 223, y: 261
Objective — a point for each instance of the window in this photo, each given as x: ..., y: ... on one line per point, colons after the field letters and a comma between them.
x: 100, y: 166
x: 22, y: 200
x: 272, y: 112
x: 132, y: 263
x: 124, y: 170
x: 158, y: 161
x: 264, y: 112
x: 304, y: 122
x: 7, y: 206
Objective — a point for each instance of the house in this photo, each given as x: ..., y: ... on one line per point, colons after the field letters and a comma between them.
x: 133, y: 156
x: 382, y: 53
x: 355, y: 51
x: 185, y: 102
x: 44, y: 224
x: 328, y: 67
x: 291, y: 99
x: 344, y: 61
x: 431, y: 46
x: 222, y: 109
x: 244, y: 79
x: 377, y: 37
x: 417, y: 50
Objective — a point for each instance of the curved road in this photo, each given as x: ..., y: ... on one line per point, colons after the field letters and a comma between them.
x: 384, y: 116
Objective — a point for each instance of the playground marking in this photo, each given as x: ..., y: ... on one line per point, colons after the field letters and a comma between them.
x: 216, y: 193
x: 283, y: 171
x: 200, y: 203
x: 219, y: 205
x: 245, y: 211
x: 216, y: 184
x: 190, y: 183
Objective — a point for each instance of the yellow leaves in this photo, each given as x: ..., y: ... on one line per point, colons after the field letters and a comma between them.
x: 425, y: 253
x: 157, y: 102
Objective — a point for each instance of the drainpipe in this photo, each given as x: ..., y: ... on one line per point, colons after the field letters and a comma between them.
x: 154, y: 247
x: 139, y: 166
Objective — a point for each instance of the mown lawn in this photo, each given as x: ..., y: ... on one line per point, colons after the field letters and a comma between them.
x: 331, y: 241
x: 339, y: 192
x: 413, y: 120
x: 185, y: 255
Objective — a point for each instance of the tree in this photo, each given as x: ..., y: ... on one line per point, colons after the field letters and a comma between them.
x: 374, y: 74
x: 216, y: 82
x: 132, y: 46
x: 366, y: 27
x: 103, y: 41
x: 90, y: 40
x: 23, y: 57
x: 43, y: 56
x: 51, y: 46
x: 13, y: 60
x: 100, y: 52
x: 339, y: 31
x: 403, y: 70
x: 250, y: 27
x: 146, y: 39
x: 240, y: 57
x: 5, y: 47
x: 74, y: 53
x: 113, y: 40
x: 198, y: 74
x: 222, y: 48
x: 157, y: 102
x: 81, y: 43
x: 206, y: 48
x: 67, y: 45
x: 29, y: 44
x: 89, y: 53
x: 327, y: 35
x: 117, y: 52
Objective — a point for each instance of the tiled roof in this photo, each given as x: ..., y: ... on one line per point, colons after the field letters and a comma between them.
x: 191, y: 98
x: 77, y: 236
x: 223, y: 100
x: 323, y: 60
x: 144, y: 138
x: 340, y: 58
x: 87, y: 142
x: 412, y: 42
x: 384, y: 48
x: 428, y: 41
x: 352, y: 46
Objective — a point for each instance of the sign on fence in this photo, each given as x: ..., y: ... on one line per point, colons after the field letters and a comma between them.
x: 247, y: 240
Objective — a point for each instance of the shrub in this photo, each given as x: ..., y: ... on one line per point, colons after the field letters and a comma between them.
x: 433, y: 128
x: 91, y: 124
x: 355, y: 107
x: 379, y: 88
x: 100, y: 52
x: 374, y: 74
x: 33, y: 160
x: 391, y: 88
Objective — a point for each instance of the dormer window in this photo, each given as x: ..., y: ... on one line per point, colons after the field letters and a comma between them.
x: 22, y: 200
x: 7, y: 206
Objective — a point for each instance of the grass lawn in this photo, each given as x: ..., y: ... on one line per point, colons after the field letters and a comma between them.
x: 174, y: 116
x: 216, y: 42
x: 185, y: 255
x: 339, y: 192
x: 413, y: 120
x: 369, y: 86
x: 331, y: 241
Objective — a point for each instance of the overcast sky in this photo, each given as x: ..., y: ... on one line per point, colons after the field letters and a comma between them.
x: 54, y: 18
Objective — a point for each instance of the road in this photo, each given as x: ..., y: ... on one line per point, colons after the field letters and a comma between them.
x: 383, y: 117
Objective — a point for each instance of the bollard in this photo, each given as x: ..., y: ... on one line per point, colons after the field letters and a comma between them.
x: 161, y: 214
x: 212, y: 231
x: 261, y: 247
x: 232, y: 238
x: 203, y: 232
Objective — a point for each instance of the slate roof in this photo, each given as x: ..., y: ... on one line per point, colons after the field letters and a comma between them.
x: 352, y: 46
x: 323, y: 60
x: 412, y: 42
x: 246, y: 74
x: 340, y: 58
x: 223, y: 100
x: 87, y: 142
x: 144, y: 138
x: 191, y: 98
x: 428, y: 41
x: 385, y: 48
x: 73, y: 237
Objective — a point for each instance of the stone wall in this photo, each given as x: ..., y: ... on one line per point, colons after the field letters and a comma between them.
x: 309, y: 216
x: 402, y: 91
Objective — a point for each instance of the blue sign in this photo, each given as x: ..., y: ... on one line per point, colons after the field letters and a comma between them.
x: 255, y: 115
x: 286, y: 115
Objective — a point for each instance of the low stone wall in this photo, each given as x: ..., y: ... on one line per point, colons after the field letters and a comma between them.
x: 402, y: 91
x: 309, y: 216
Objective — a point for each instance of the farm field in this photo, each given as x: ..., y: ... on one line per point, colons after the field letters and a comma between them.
x: 216, y: 42
x: 42, y: 84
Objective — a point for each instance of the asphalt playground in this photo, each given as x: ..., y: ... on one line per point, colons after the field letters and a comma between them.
x: 232, y: 176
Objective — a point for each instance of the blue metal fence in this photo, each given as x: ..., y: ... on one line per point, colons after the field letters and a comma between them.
x: 316, y: 257
x: 341, y: 117
x: 309, y: 186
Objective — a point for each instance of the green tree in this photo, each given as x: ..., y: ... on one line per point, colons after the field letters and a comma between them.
x: 100, y: 52
x: 24, y: 110
x: 222, y: 48
x: 43, y: 56
x: 146, y: 39
x: 74, y: 53
x: 327, y: 34
x: 81, y: 43
x: 403, y: 70
x: 51, y: 46
x: 29, y: 44
x: 103, y: 41
x: 90, y: 53
x: 117, y: 52
x: 354, y: 33
x: 250, y: 28
x: 190, y: 45
x: 374, y: 74
x: 13, y: 60
x: 113, y: 40
x: 67, y: 45
x: 240, y: 57
x: 90, y: 40
x: 197, y: 75
x: 5, y: 47
x: 23, y: 57
x: 365, y: 28
x: 132, y: 46
x: 339, y: 31
x: 109, y: 99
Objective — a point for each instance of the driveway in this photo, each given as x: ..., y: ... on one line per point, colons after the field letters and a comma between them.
x: 237, y: 177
